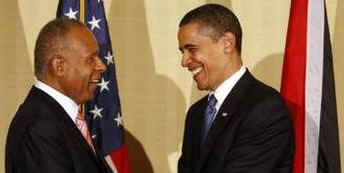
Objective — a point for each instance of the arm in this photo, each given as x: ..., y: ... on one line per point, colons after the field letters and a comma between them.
x: 183, y: 163
x: 264, y: 141
x: 43, y: 150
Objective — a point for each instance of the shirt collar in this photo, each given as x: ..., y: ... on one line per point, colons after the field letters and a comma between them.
x: 225, y: 88
x: 67, y: 103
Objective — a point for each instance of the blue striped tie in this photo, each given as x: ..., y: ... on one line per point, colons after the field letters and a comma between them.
x: 209, y: 115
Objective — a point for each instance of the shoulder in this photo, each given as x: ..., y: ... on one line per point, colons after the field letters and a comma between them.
x: 35, y: 116
x: 258, y: 94
x: 34, y: 120
x: 262, y: 103
x: 32, y: 127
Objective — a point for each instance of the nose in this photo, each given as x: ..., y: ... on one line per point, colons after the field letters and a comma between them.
x: 100, y: 66
x: 185, y: 60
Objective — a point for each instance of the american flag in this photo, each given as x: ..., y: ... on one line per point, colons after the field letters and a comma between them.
x: 103, y: 113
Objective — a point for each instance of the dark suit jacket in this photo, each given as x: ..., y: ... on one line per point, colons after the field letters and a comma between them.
x: 42, y: 138
x: 252, y: 133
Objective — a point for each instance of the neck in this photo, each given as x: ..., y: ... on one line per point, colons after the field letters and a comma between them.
x: 231, y: 68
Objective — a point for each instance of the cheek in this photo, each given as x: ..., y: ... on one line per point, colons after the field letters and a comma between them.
x: 79, y: 82
x: 84, y: 75
x: 211, y: 69
x: 198, y: 59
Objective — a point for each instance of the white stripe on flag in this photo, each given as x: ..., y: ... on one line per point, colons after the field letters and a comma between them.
x: 111, y: 164
x: 314, y: 77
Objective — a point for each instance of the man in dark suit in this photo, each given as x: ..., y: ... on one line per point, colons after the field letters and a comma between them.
x: 43, y: 136
x: 242, y: 125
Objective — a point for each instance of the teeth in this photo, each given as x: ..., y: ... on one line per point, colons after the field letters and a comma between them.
x: 196, y: 71
x: 96, y: 81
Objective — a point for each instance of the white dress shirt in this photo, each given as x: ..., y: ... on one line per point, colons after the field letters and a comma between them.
x: 67, y: 103
x: 226, y: 87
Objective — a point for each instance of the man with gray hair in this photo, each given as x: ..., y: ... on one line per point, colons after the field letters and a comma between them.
x: 48, y: 133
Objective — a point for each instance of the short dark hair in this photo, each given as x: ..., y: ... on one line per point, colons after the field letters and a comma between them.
x: 49, y: 42
x: 216, y: 17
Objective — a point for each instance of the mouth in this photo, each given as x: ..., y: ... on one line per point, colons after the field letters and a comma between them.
x: 95, y: 81
x: 196, y: 71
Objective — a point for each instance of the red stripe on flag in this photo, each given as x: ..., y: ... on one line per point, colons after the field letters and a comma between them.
x: 294, y: 76
x: 121, y: 159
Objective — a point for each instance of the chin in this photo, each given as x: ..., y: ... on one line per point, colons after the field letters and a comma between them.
x: 87, y: 98
x: 201, y: 87
x: 90, y: 97
x: 202, y: 84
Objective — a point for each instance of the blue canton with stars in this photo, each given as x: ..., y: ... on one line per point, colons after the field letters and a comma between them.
x: 103, y: 113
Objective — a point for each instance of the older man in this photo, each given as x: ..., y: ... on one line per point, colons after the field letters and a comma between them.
x: 48, y: 132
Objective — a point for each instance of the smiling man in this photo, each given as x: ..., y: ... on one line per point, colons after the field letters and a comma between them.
x: 48, y: 134
x: 242, y: 125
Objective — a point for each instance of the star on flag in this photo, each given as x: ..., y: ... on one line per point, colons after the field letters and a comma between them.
x: 96, y: 112
x: 118, y: 120
x: 103, y: 85
x: 109, y: 58
x: 71, y: 14
x: 94, y: 23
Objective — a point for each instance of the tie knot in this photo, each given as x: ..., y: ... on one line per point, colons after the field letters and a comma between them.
x: 212, y: 100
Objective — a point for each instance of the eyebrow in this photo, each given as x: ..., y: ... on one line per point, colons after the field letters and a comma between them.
x: 187, y: 46
x: 91, y: 55
x: 95, y: 53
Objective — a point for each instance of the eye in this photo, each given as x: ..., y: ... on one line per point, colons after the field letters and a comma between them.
x: 192, y: 50
x: 90, y: 59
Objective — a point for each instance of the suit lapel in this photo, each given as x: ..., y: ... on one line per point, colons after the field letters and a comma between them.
x: 67, y: 123
x: 199, y: 127
x: 77, y: 137
x: 226, y: 112
x: 192, y: 142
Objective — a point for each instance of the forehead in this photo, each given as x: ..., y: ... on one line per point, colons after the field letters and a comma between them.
x: 79, y: 37
x: 188, y: 30
x: 193, y: 33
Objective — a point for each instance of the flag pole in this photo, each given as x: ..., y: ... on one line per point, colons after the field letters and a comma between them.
x: 82, y: 19
x: 82, y: 11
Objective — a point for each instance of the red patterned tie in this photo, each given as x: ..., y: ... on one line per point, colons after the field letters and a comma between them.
x: 82, y: 126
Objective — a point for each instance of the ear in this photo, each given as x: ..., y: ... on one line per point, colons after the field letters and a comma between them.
x: 229, y: 41
x: 57, y: 65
